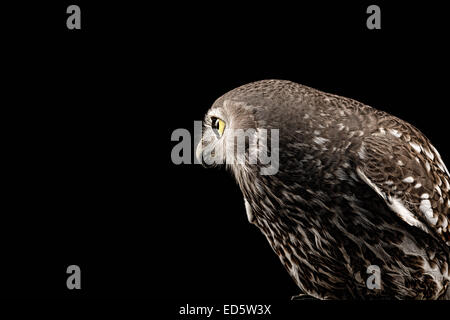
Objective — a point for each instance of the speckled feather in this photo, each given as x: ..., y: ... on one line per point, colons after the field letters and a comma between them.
x: 355, y: 187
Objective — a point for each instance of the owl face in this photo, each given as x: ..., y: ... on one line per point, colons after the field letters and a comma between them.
x: 216, y: 143
x: 231, y: 136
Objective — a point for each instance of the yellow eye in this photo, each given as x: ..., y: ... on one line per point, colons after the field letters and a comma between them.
x: 218, y: 125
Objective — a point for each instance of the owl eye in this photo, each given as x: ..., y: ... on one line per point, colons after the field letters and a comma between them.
x: 218, y: 126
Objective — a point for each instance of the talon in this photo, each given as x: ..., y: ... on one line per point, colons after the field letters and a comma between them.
x: 303, y: 297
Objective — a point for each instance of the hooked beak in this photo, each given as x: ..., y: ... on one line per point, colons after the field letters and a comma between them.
x: 199, y: 155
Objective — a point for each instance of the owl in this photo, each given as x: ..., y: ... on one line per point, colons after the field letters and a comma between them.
x: 339, y: 189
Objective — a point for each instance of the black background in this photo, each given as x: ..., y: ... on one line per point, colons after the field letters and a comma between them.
x: 88, y: 116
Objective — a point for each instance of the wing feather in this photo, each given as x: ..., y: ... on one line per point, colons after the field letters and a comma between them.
x: 408, y: 173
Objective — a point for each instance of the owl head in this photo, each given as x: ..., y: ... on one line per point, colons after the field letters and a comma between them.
x: 234, y: 134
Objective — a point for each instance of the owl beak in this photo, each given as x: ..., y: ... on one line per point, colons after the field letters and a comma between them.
x: 199, y: 155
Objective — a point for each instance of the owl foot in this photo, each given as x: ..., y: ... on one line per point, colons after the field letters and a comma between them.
x: 303, y: 296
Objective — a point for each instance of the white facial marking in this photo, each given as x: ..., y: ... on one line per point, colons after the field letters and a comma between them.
x: 400, y: 163
x: 418, y: 185
x: 425, y: 196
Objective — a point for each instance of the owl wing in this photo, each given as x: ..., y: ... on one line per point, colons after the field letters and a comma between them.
x: 409, y: 174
